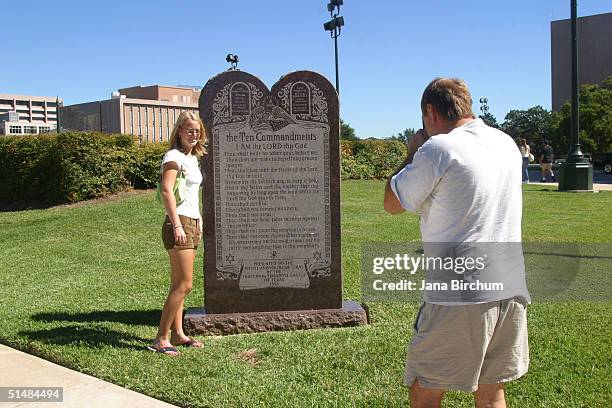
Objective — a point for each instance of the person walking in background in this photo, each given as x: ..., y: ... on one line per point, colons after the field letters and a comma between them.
x: 546, y: 160
x: 463, y: 179
x: 182, y: 228
x: 525, y: 153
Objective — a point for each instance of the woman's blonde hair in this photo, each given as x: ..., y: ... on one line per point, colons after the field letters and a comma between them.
x: 199, y: 148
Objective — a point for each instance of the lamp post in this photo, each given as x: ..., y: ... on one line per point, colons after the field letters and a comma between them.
x: 576, y: 174
x: 334, y: 26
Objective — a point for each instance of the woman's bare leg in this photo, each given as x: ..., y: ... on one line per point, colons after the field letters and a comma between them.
x: 177, y: 335
x: 181, y: 280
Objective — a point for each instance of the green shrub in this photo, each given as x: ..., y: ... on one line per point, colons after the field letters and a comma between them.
x: 74, y: 166
x: 20, y: 161
x: 371, y: 159
x: 88, y: 165
x: 144, y: 170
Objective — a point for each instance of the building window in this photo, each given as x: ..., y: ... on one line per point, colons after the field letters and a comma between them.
x: 153, y: 122
x: 14, y: 130
x: 131, y: 119
x: 147, y: 122
x: 161, y: 124
x: 168, y: 122
x: 29, y: 130
x: 44, y: 129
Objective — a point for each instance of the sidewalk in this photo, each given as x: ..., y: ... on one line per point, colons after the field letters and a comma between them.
x: 596, y: 187
x: 18, y: 369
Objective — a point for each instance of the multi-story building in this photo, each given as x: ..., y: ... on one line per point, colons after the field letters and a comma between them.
x: 26, y: 114
x: 594, y: 54
x: 146, y: 112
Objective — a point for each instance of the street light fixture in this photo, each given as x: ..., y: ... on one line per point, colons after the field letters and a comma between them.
x: 334, y: 26
x: 484, y: 108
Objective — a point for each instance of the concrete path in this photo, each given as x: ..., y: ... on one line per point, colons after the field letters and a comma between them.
x: 596, y: 187
x: 18, y: 369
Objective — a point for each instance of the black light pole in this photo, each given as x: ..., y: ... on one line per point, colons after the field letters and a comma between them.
x: 334, y: 26
x: 576, y: 174
x: 575, y: 152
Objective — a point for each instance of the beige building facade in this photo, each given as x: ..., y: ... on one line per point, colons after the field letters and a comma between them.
x: 175, y: 94
x: 27, y: 114
x: 149, y: 113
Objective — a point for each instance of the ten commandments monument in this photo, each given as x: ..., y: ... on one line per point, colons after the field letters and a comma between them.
x: 271, y: 206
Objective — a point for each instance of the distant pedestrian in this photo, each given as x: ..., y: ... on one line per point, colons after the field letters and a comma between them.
x: 546, y: 159
x: 182, y: 228
x: 525, y: 153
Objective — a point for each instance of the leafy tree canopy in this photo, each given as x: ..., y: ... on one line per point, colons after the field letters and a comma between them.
x: 346, y: 131
x: 489, y: 119
x: 404, y: 136
x: 595, y: 118
x: 533, y: 124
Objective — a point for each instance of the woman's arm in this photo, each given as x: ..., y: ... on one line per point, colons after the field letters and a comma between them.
x: 169, y: 173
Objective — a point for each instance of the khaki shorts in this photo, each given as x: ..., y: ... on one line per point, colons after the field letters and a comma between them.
x: 191, y: 226
x: 546, y: 166
x: 459, y: 347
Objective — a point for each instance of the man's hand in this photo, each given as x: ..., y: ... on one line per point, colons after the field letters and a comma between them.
x: 391, y: 203
x: 417, y: 140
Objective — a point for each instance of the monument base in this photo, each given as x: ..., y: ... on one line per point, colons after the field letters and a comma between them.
x: 197, y: 321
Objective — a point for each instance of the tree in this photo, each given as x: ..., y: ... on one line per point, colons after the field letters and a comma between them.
x: 490, y: 120
x: 595, y: 115
x: 404, y: 136
x: 346, y: 131
x: 534, y: 124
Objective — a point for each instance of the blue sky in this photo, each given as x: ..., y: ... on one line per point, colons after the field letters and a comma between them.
x: 389, y: 51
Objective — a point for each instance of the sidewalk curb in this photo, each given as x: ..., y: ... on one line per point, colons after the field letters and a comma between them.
x: 19, y: 369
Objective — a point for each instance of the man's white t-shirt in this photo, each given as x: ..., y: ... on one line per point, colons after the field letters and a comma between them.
x: 466, y: 188
x: 189, y: 163
x: 465, y: 185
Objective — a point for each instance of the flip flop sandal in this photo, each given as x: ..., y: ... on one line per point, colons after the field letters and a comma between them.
x: 191, y: 343
x: 164, y: 350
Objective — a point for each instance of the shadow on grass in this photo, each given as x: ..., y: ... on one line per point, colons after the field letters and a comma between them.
x: 135, y: 317
x: 24, y: 206
x: 86, y: 336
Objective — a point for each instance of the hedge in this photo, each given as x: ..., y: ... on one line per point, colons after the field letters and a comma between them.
x: 371, y: 159
x: 75, y: 166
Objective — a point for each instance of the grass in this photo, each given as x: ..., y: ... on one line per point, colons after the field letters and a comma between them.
x: 83, y: 286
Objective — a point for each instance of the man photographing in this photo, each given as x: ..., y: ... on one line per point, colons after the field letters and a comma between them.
x: 463, y: 178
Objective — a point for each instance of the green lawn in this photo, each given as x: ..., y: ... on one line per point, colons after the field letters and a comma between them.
x: 83, y: 286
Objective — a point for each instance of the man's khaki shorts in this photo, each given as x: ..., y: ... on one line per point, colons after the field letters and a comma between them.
x: 546, y: 167
x: 191, y: 227
x: 459, y: 347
